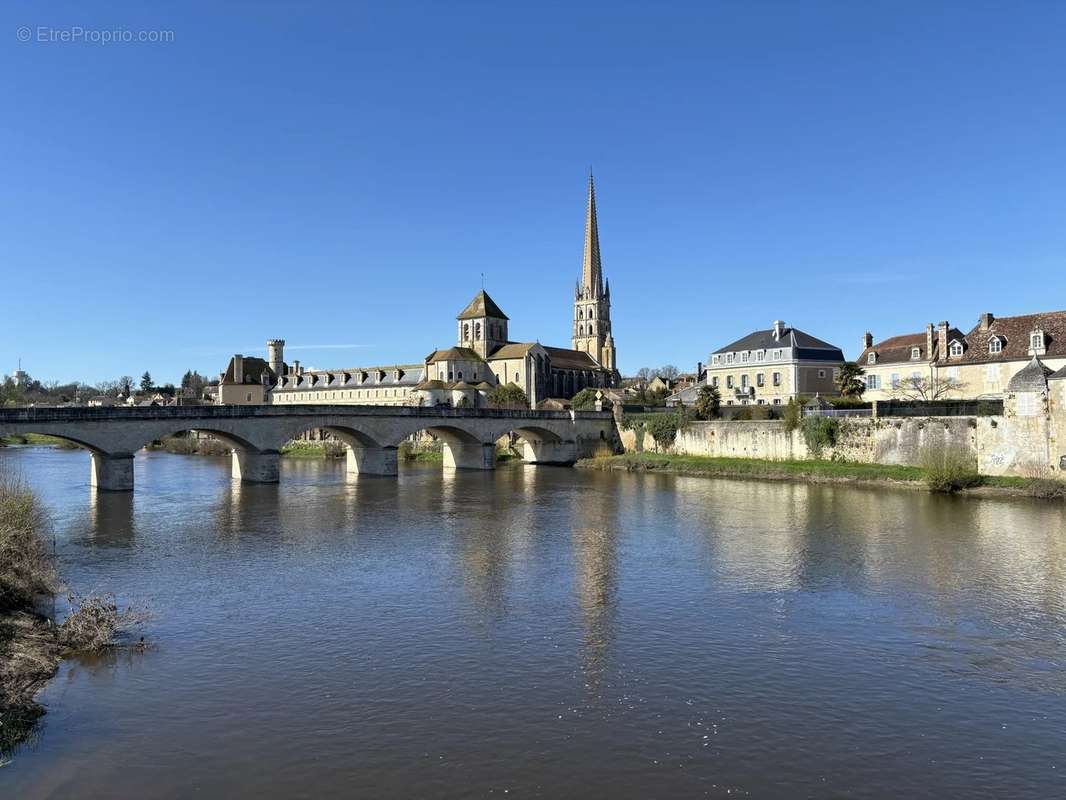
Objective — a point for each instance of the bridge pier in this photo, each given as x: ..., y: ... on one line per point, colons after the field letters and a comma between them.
x: 549, y: 452
x: 112, y: 473
x: 251, y: 467
x: 371, y: 461
x: 460, y: 455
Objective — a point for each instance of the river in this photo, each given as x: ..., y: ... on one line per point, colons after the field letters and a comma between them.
x: 549, y: 632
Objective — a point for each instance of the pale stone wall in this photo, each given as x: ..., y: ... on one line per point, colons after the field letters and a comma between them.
x: 880, y: 441
x: 984, y: 380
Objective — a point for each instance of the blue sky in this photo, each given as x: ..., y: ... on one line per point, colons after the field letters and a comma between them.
x: 343, y: 173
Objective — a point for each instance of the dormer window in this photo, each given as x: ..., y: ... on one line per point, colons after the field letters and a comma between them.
x: 955, y: 348
x: 759, y: 355
x: 995, y: 345
x: 871, y: 358
x: 1036, y: 342
x: 744, y: 357
x: 916, y: 353
x: 729, y: 358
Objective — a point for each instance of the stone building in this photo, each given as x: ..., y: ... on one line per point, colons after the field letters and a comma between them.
x: 954, y: 365
x: 906, y: 365
x: 769, y: 367
x: 985, y: 360
x: 483, y: 357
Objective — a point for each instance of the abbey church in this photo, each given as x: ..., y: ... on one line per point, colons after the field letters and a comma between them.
x: 461, y: 375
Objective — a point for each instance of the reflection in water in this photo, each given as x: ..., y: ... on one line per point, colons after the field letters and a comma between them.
x: 111, y: 520
x: 594, y: 537
x: 545, y: 631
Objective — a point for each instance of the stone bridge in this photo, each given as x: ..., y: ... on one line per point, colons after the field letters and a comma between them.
x: 372, y: 434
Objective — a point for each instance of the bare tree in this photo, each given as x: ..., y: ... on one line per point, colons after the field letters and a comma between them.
x: 924, y: 388
x: 668, y: 372
x: 644, y: 374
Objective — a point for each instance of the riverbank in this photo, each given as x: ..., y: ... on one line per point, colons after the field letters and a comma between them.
x: 36, y: 439
x: 903, y: 477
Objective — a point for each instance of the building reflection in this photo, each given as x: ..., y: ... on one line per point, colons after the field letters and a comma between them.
x: 595, y: 536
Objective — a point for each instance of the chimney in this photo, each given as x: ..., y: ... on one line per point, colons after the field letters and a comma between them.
x: 986, y: 322
x: 942, y: 341
x: 238, y: 369
x: 929, y: 341
x: 296, y: 367
x: 867, y: 340
x: 779, y: 327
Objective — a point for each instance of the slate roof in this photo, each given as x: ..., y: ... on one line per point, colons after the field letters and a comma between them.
x: 562, y: 358
x: 1058, y: 375
x: 1014, y: 332
x: 481, y: 306
x: 352, y: 378
x: 807, y: 346
x: 253, y: 370
x: 1032, y: 377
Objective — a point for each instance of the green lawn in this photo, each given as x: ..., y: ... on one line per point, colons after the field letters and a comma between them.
x: 808, y: 470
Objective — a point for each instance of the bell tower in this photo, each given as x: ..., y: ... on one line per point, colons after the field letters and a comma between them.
x: 482, y: 325
x: 592, y: 296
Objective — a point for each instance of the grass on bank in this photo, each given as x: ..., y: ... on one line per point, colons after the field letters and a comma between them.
x: 946, y: 474
x: 37, y: 439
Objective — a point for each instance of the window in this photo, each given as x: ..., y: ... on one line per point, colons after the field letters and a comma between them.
x: 916, y: 353
x: 777, y: 379
x: 821, y: 373
x: 466, y: 330
x: 715, y: 359
x: 760, y: 379
x: 477, y: 330
x: 460, y: 374
x: 714, y: 381
x: 873, y: 381
x: 1036, y: 340
x: 580, y: 314
x: 995, y: 345
x: 956, y: 348
x: 743, y: 381
x: 729, y: 381
x: 953, y: 374
x: 871, y: 358
x: 777, y: 354
x: 729, y: 358
x: 895, y: 380
x: 836, y: 373
x: 744, y: 357
x: 777, y: 401
x: 759, y: 355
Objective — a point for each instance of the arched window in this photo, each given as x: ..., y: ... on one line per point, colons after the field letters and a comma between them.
x: 477, y: 330
x: 592, y: 313
x: 466, y: 331
x: 580, y: 314
x: 580, y: 330
x: 460, y: 374
x: 995, y: 345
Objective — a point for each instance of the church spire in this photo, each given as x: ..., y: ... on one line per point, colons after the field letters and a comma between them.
x: 591, y: 271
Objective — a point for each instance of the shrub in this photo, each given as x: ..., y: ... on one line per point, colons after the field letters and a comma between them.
x: 25, y: 566
x: 793, y: 415
x: 664, y: 427
x: 585, y: 400
x: 948, y: 468
x: 94, y: 623
x: 507, y: 396
x: 820, y: 433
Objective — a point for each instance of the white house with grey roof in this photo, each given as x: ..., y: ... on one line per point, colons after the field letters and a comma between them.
x: 768, y: 367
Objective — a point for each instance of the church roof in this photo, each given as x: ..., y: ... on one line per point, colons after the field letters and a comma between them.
x: 461, y: 386
x: 454, y: 354
x: 512, y: 350
x: 482, y: 306
x: 562, y: 358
